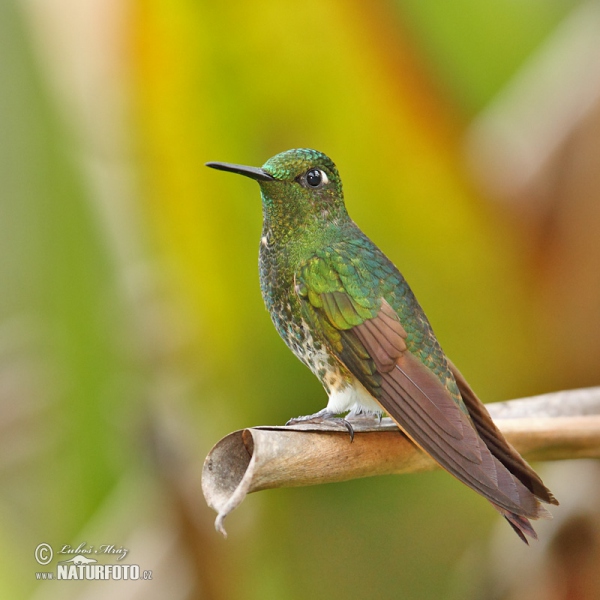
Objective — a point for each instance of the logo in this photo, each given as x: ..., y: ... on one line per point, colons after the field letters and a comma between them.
x: 79, y: 560
x: 88, y: 562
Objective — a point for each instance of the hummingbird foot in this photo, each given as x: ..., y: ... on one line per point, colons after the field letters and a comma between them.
x: 324, y: 416
x: 364, y: 416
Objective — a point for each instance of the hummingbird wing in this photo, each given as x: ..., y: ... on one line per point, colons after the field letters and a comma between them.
x: 365, y: 334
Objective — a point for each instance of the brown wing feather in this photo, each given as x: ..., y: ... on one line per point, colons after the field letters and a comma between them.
x: 497, y: 443
x: 418, y: 401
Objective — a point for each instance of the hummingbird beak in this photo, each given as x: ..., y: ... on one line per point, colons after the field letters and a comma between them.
x: 252, y: 172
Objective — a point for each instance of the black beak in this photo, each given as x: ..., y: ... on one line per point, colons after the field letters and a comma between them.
x: 252, y: 172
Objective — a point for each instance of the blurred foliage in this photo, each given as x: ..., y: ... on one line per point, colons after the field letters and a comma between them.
x: 117, y: 378
x: 63, y: 386
x: 475, y: 48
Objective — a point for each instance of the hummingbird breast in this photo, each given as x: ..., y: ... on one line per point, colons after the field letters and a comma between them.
x: 277, y: 270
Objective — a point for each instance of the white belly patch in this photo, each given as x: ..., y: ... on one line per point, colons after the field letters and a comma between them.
x: 353, y: 397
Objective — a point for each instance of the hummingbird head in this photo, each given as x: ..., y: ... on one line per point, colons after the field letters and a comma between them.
x: 300, y: 188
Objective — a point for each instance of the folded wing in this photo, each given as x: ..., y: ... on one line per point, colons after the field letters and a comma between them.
x: 368, y: 338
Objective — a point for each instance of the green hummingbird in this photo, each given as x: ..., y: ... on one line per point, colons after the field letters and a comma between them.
x: 348, y: 314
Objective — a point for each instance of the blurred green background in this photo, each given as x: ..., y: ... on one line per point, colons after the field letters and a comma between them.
x: 132, y: 331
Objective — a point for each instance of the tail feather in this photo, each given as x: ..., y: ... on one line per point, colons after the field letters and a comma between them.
x: 511, y: 459
x: 498, y: 445
x: 521, y: 525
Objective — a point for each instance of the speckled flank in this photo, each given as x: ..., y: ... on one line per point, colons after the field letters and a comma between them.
x: 285, y: 312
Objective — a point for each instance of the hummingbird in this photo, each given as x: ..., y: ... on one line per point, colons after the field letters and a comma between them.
x: 348, y: 314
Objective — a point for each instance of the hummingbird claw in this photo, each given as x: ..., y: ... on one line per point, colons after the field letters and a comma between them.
x: 324, y: 416
x: 349, y: 428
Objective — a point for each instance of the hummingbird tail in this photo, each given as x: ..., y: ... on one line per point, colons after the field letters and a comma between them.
x: 499, y: 447
x: 521, y: 525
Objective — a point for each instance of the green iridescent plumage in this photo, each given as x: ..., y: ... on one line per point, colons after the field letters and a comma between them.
x: 346, y: 311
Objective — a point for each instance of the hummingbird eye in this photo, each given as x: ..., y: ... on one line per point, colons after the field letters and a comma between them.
x: 316, y: 178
